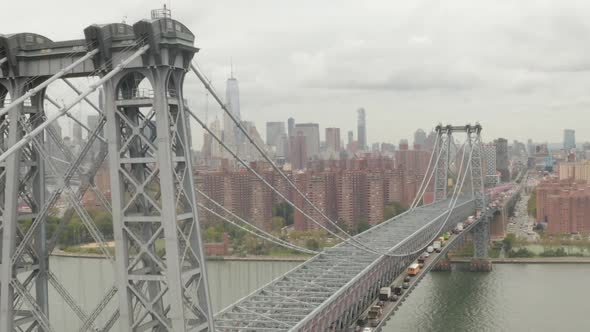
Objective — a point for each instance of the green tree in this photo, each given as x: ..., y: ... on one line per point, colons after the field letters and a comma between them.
x: 392, y: 209
x: 312, y: 244
x: 508, y: 242
x: 253, y: 246
x: 285, y: 211
x: 532, y: 204
x: 363, y: 226
x: 277, y: 223
x: 212, y: 234
x: 522, y: 252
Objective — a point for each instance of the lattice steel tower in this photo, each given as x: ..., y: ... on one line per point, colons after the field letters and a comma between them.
x: 161, y: 280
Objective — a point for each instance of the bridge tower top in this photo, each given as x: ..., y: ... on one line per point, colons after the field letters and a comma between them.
x: 32, y: 55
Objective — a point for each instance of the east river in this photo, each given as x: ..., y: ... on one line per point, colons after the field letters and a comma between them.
x: 514, y: 297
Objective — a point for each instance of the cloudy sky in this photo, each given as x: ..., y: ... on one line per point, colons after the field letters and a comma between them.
x: 521, y: 68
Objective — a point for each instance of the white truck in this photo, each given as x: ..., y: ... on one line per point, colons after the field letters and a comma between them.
x: 460, y: 226
x: 385, y: 293
x: 437, y: 246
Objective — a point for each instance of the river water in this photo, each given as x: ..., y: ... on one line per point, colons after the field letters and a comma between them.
x: 520, y: 297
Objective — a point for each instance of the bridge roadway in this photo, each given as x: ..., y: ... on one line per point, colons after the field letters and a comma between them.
x: 432, y: 260
x: 330, y: 290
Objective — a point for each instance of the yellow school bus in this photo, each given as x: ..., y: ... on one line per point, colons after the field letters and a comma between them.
x: 413, y: 269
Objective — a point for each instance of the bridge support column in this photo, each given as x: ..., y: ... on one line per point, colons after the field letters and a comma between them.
x: 23, y: 255
x: 481, y: 239
x: 163, y: 289
x: 444, y: 264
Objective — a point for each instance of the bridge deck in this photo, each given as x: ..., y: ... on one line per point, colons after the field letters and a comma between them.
x: 288, y: 300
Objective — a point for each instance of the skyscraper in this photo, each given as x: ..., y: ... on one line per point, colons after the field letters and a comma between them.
x: 92, y: 122
x: 291, y: 127
x: 230, y: 130
x: 274, y: 130
x: 311, y: 131
x: 502, y: 159
x: 282, y: 146
x: 298, y: 151
x: 419, y: 139
x: 362, y: 129
x: 350, y: 137
x: 569, y: 139
x: 216, y: 149
x: 489, y: 166
x: 77, y: 133
x: 333, y: 139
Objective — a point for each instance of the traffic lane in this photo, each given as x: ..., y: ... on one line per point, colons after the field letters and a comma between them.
x: 390, y: 307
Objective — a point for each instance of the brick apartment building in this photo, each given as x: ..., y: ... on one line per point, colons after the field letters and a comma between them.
x: 564, y: 204
x: 348, y: 191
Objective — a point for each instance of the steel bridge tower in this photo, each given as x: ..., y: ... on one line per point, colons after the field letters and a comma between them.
x: 442, y: 153
x: 481, y: 232
x: 161, y: 281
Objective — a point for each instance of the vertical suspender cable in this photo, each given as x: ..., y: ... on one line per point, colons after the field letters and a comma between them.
x: 423, y: 186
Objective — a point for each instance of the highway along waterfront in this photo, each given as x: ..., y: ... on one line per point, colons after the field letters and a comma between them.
x: 513, y: 297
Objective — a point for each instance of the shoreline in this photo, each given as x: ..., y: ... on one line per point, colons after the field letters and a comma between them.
x: 531, y: 260
x: 60, y: 253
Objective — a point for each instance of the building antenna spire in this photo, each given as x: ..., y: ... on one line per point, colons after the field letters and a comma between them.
x: 231, y: 66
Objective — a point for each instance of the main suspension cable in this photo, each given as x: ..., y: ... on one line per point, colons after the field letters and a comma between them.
x: 210, y: 88
x: 276, y: 191
x: 424, y: 186
x: 452, y: 205
x: 284, y: 243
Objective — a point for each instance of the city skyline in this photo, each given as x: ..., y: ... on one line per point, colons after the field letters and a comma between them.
x: 441, y: 71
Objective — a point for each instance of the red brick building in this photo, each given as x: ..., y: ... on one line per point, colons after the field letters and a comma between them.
x: 564, y: 205
x: 218, y: 248
x: 348, y: 191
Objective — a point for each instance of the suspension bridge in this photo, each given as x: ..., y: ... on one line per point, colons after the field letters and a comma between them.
x: 144, y: 137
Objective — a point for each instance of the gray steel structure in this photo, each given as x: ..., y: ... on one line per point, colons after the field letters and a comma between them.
x: 329, y: 291
x: 153, y: 197
x: 442, y: 161
x: 152, y: 185
x: 453, y: 242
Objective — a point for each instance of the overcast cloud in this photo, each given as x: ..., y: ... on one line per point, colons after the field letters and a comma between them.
x: 521, y: 68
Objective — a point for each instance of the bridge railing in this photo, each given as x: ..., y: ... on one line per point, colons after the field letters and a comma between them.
x: 139, y: 93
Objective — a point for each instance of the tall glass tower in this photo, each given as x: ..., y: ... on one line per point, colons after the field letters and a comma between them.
x: 362, y: 129
x: 231, y: 132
